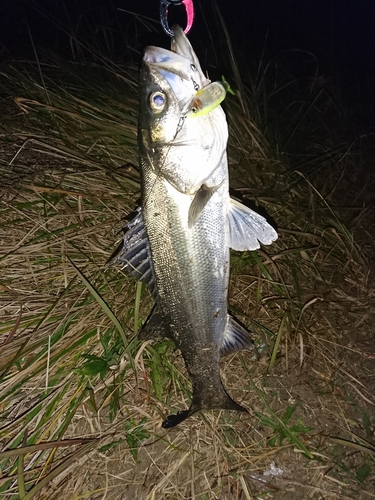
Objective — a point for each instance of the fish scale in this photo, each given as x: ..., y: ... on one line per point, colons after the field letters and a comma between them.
x: 179, y: 242
x: 185, y: 276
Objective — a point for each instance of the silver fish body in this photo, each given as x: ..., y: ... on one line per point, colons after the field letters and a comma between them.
x: 180, y: 241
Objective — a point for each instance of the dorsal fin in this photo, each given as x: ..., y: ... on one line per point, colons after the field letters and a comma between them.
x: 135, y: 253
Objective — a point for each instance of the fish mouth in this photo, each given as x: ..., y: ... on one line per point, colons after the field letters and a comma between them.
x: 171, y: 60
x: 179, y: 66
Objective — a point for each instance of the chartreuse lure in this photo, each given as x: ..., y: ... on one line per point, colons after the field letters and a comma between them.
x: 208, y: 98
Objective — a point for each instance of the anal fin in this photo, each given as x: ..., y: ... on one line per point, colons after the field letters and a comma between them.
x: 236, y: 337
x: 134, y: 254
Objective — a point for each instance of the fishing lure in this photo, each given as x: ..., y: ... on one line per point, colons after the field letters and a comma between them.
x: 208, y: 98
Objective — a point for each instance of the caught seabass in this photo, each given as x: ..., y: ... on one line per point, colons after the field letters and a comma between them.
x: 179, y: 242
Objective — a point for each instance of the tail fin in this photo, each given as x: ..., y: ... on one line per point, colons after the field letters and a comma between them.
x: 207, y: 399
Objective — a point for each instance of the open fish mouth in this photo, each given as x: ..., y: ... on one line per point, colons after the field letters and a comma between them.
x: 178, y: 66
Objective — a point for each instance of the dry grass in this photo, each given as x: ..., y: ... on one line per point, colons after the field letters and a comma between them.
x: 72, y: 367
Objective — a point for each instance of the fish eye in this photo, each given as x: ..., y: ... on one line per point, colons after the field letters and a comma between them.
x: 157, y: 101
x: 193, y: 67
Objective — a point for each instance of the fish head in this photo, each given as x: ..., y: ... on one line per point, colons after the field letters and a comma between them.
x: 169, y: 80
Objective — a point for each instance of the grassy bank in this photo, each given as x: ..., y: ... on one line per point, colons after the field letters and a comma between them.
x: 82, y: 398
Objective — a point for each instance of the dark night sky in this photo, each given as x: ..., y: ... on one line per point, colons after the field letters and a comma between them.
x: 341, y: 33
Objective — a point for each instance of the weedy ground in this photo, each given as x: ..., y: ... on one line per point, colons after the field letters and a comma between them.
x: 82, y: 398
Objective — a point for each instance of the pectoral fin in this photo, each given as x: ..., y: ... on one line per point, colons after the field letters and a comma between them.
x: 200, y: 200
x: 247, y: 229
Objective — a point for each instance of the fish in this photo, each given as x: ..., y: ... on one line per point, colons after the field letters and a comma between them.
x: 179, y: 241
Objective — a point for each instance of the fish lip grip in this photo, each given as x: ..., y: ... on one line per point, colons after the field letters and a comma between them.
x: 189, y: 9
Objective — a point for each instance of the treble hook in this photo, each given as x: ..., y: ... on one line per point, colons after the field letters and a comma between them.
x: 189, y: 8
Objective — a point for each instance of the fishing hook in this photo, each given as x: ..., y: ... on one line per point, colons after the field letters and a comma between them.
x: 189, y: 9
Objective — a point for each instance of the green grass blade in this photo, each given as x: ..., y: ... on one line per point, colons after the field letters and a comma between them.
x: 284, y: 321
x: 105, y: 308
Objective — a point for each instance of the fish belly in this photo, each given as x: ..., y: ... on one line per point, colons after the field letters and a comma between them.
x: 191, y: 268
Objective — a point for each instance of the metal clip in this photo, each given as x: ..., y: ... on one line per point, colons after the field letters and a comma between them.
x: 189, y: 8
